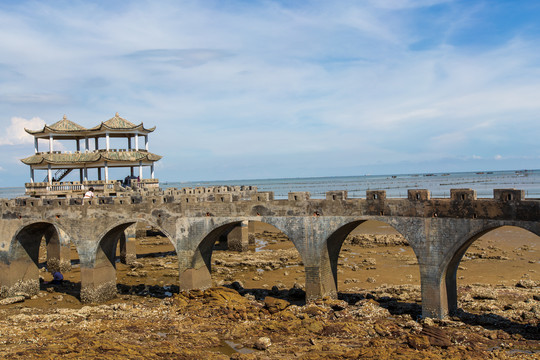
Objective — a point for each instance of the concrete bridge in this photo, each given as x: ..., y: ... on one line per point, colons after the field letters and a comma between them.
x: 438, y: 230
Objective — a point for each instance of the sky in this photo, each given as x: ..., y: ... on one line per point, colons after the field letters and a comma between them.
x: 280, y: 89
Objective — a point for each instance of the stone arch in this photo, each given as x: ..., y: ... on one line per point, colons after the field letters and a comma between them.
x: 201, y: 235
x: 334, y: 243
x: 21, y: 272
x: 451, y: 263
x: 98, y: 272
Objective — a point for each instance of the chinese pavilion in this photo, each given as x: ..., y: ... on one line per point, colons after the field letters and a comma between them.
x: 95, y: 154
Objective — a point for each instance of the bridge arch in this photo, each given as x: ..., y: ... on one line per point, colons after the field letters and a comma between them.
x: 98, y: 271
x: 451, y: 263
x: 334, y: 243
x: 20, y: 273
x: 196, y: 265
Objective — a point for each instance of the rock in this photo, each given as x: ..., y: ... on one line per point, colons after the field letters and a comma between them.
x: 436, y: 336
x: 418, y: 342
x: 222, y: 296
x: 312, y: 325
x: 371, y: 280
x: 275, y: 305
x: 12, y: 300
x: 527, y: 284
x: 263, y: 343
x: 427, y: 321
x: 237, y: 285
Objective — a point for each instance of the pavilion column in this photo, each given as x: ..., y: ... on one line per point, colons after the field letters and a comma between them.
x: 146, y: 142
x: 137, y: 142
x: 106, y: 171
x: 50, y: 144
x: 36, y: 150
x: 78, y: 145
x: 31, y: 174
x: 97, y: 143
x: 81, y: 175
x: 49, y: 174
x: 99, y: 173
x: 140, y: 170
x: 129, y: 143
x: 86, y: 144
x: 85, y: 174
x: 152, y: 171
x: 107, y: 143
x: 131, y: 171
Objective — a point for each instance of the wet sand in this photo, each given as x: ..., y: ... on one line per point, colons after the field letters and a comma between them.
x: 498, y: 284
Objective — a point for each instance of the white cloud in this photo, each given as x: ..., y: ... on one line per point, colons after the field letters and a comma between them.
x: 15, y: 134
x: 498, y: 157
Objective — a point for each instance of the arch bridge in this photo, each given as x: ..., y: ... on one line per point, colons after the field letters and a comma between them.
x: 438, y: 230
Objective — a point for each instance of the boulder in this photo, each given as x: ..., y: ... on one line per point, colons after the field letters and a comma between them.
x: 436, y: 336
x: 275, y: 305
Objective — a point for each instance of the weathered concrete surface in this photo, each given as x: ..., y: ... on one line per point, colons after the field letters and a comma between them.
x: 438, y: 230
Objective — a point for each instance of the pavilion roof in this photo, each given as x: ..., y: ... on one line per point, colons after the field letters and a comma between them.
x: 119, y: 123
x: 90, y: 157
x: 68, y: 129
x: 63, y: 126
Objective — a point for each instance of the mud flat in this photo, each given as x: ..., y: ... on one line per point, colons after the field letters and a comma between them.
x: 256, y: 309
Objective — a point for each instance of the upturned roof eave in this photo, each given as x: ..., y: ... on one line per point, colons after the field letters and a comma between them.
x: 139, y: 128
x: 92, y: 158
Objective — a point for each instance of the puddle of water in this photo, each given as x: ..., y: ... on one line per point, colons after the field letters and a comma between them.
x: 260, y: 244
x: 229, y: 348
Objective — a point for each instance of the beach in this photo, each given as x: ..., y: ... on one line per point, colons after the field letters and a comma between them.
x: 256, y: 308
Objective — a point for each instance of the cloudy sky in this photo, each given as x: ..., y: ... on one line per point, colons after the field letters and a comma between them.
x: 268, y: 89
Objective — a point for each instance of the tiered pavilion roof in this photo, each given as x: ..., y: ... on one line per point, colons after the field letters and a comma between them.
x: 99, y: 157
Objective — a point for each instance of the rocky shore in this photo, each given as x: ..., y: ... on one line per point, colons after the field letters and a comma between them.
x: 257, y: 311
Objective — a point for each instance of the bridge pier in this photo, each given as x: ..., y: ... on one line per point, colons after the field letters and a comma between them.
x: 435, y: 301
x: 128, y: 241
x: 194, y: 271
x: 238, y: 237
x: 98, y: 268
x: 58, y: 251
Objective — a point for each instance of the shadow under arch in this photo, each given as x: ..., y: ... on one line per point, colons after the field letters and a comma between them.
x: 98, y: 272
x: 455, y: 258
x: 334, y: 244
x: 21, y: 267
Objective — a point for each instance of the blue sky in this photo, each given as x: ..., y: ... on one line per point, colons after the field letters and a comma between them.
x: 271, y: 89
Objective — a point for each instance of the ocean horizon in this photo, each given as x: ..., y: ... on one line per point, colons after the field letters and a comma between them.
x: 395, y: 185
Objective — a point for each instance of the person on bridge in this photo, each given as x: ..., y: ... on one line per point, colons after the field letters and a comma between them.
x: 89, y: 194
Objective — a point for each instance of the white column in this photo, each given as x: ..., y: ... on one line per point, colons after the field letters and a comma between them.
x: 50, y: 143
x: 31, y: 174
x: 146, y: 142
x: 36, y: 145
x: 106, y: 171
x: 107, y: 141
x: 152, y: 171
x: 140, y: 170
x: 49, y: 174
x: 137, y: 142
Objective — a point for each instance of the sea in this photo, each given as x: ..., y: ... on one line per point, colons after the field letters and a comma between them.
x: 396, y: 186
